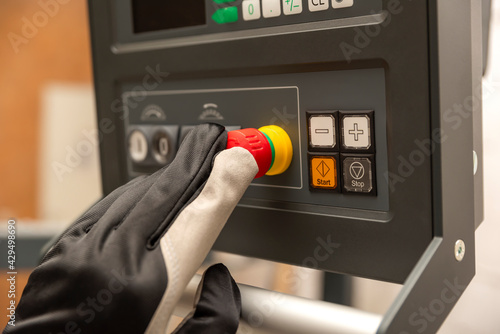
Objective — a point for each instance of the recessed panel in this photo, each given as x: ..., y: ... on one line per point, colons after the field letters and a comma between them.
x: 322, y: 113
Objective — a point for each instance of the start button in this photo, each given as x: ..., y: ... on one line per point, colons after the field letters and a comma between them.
x: 323, y: 171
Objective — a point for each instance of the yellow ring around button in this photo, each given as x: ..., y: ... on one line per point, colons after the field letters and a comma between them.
x: 282, y: 147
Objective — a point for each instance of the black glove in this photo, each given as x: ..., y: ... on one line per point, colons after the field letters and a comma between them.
x: 123, y: 266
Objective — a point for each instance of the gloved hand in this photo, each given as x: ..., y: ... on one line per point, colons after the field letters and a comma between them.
x: 122, y: 266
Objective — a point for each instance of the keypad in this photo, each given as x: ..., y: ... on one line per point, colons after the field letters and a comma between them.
x: 342, y: 151
x: 267, y: 9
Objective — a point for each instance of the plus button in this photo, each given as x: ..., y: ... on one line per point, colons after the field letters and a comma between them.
x: 356, y: 132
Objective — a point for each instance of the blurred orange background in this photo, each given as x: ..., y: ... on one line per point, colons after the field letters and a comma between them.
x: 60, y: 50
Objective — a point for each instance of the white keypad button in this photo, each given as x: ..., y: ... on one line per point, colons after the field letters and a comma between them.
x: 322, y: 131
x: 251, y: 10
x: 138, y: 146
x: 342, y: 3
x: 271, y: 8
x: 356, y: 132
x: 291, y: 7
x: 317, y: 5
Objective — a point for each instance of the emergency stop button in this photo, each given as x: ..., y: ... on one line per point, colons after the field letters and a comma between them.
x: 323, y: 172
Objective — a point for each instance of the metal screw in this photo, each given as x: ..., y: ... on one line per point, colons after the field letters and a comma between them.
x: 459, y: 250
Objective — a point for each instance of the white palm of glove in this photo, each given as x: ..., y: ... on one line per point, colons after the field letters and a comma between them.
x: 193, y: 233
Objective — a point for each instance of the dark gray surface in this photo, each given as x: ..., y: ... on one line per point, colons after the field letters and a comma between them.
x: 338, y: 289
x: 438, y: 280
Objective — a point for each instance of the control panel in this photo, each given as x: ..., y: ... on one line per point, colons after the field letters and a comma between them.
x: 202, y: 21
x: 362, y: 88
x: 334, y: 135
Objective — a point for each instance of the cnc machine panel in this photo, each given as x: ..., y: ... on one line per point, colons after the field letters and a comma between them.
x: 352, y: 82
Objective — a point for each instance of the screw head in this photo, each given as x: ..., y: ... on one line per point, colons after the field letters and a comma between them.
x: 459, y: 250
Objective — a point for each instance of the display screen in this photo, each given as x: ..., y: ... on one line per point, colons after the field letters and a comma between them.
x: 152, y: 15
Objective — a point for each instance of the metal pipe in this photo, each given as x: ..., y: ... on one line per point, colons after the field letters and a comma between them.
x: 271, y: 312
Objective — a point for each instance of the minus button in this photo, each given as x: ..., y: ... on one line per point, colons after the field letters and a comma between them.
x: 322, y: 131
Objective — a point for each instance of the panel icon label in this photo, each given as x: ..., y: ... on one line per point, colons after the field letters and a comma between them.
x: 357, y: 170
x: 251, y: 10
x: 271, y: 8
x: 291, y: 7
x: 317, y: 5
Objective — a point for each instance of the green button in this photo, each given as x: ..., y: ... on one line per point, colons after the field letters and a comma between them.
x: 223, y: 1
x: 226, y: 15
